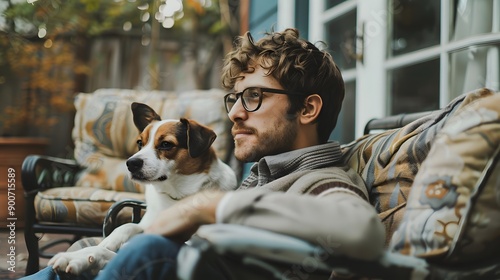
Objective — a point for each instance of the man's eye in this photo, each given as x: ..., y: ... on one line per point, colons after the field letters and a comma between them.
x: 165, y: 145
x: 254, y: 94
x: 139, y: 144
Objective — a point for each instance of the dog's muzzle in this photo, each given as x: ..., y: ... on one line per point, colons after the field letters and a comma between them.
x: 134, y: 165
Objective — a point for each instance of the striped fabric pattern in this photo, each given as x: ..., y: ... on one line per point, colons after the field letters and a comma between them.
x: 389, y: 161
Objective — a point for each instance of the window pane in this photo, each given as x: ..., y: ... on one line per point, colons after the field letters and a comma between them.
x: 475, y: 67
x: 332, y: 3
x: 344, y: 131
x: 473, y: 18
x: 341, y: 39
x: 415, y: 88
x: 415, y: 25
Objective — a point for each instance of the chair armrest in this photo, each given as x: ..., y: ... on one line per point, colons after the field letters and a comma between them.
x: 395, y: 121
x: 44, y: 172
x: 111, y: 221
x: 265, y: 249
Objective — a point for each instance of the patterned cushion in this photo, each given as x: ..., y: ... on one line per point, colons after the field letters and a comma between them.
x: 105, y: 136
x: 389, y: 161
x: 80, y: 206
x: 453, y: 211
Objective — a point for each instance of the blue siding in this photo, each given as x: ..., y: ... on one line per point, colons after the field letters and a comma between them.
x: 263, y: 17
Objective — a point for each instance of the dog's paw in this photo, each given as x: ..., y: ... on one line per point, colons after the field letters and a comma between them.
x: 59, y: 262
x: 91, y: 259
x: 72, y: 262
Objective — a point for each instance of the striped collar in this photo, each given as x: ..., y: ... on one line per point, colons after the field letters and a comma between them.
x: 270, y: 168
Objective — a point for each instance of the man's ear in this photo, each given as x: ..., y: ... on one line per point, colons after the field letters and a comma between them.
x: 312, y: 107
x: 199, y: 137
x: 143, y: 115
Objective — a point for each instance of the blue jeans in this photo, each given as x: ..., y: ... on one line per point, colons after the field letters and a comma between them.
x: 150, y: 257
x: 145, y: 256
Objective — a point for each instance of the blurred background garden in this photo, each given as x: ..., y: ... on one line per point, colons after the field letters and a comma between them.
x: 50, y: 50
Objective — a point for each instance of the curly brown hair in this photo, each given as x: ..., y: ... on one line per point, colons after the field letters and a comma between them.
x: 298, y: 65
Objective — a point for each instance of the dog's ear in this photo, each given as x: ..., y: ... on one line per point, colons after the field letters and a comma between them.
x: 143, y: 115
x: 199, y: 137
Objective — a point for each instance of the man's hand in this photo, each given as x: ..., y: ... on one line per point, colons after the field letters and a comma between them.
x: 183, y: 219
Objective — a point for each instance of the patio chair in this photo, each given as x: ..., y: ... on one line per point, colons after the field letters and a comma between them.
x: 73, y: 196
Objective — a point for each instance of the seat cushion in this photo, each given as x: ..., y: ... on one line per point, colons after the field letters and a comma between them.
x: 108, y: 173
x: 81, y: 206
x: 389, y: 161
x: 453, y: 212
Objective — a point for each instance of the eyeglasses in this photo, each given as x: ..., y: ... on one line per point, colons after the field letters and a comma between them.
x: 251, y: 97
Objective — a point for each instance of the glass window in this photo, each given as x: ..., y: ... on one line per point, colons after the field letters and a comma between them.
x: 415, y: 25
x: 475, y: 67
x: 302, y: 17
x: 333, y: 3
x: 344, y: 131
x: 341, y: 39
x: 415, y: 88
x: 473, y: 18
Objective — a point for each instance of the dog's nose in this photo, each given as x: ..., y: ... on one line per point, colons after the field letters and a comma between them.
x: 134, y: 164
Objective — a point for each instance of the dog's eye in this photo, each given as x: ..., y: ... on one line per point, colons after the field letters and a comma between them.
x: 165, y: 145
x: 139, y: 144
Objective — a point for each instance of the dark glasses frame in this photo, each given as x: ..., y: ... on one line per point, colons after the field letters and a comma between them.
x: 232, y: 97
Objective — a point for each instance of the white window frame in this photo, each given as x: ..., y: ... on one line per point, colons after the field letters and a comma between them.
x: 370, y: 91
x: 371, y: 74
x: 286, y: 14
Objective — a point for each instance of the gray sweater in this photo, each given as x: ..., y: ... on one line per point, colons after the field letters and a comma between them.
x: 306, y: 193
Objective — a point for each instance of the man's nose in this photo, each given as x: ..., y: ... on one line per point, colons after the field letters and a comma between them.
x: 238, y: 111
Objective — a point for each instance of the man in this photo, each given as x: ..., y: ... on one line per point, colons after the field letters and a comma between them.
x: 287, y: 96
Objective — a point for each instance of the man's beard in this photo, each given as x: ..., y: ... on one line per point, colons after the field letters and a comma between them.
x: 270, y: 142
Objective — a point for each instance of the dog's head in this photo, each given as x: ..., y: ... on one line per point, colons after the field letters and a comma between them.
x: 169, y: 147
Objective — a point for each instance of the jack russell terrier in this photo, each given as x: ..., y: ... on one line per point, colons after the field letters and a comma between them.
x: 175, y: 160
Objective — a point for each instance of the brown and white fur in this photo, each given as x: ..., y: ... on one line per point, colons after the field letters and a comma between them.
x: 175, y: 160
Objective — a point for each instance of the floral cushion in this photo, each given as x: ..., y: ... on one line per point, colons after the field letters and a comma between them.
x: 105, y: 136
x: 453, y: 212
x: 389, y: 161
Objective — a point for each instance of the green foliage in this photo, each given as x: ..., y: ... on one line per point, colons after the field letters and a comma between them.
x: 91, y: 18
x: 88, y: 17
